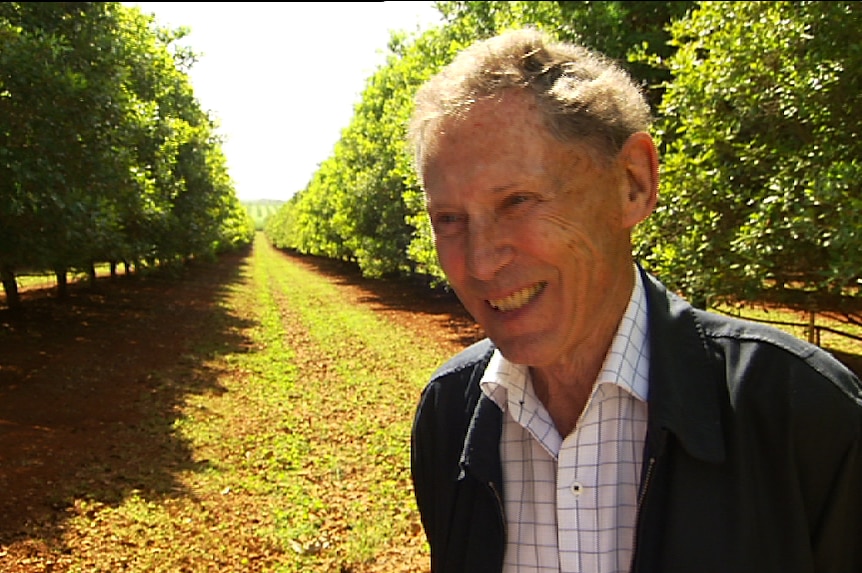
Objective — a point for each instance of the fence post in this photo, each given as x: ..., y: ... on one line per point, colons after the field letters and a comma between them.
x: 813, y: 334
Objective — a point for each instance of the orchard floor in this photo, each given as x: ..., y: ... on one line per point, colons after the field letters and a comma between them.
x: 72, y: 374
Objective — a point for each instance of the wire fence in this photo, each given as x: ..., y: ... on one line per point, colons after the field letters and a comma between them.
x: 812, y: 330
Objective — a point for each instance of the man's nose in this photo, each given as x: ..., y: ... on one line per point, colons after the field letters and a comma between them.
x: 488, y: 248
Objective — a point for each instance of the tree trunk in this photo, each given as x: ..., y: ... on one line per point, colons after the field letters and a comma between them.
x: 10, y: 287
x: 91, y: 275
x: 62, y: 282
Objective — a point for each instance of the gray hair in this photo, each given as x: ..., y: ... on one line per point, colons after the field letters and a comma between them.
x: 582, y: 95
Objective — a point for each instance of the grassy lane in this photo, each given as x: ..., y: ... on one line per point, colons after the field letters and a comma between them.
x: 345, y: 414
x: 299, y: 452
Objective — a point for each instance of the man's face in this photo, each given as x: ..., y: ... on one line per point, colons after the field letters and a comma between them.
x: 529, y: 231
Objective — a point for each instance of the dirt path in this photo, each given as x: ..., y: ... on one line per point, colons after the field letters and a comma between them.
x: 75, y: 381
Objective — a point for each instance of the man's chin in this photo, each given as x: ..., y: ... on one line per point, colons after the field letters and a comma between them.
x: 527, y: 350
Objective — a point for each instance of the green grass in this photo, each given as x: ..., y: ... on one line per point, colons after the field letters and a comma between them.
x: 300, y: 462
x: 360, y: 381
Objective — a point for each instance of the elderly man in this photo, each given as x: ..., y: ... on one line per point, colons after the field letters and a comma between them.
x: 605, y: 425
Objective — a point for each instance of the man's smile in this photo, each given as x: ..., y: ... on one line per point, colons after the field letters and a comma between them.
x: 517, y: 299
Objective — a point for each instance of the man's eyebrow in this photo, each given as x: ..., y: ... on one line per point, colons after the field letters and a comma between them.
x: 503, y: 188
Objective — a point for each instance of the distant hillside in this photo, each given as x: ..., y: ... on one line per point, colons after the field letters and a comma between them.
x: 261, y: 209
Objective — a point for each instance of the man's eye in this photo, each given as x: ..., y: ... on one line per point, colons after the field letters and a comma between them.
x: 447, y: 223
x: 516, y: 200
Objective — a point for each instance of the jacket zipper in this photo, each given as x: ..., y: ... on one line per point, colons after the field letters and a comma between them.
x: 642, y: 497
x: 499, y: 499
x: 647, y: 479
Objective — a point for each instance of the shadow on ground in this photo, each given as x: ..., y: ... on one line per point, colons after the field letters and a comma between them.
x: 90, y: 388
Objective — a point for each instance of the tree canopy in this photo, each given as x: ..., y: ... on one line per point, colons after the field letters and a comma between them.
x: 105, y: 154
x: 761, y: 194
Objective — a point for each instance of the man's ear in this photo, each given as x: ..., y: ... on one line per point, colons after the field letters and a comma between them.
x: 639, y: 159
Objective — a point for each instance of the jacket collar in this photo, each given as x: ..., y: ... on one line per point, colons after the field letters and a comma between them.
x: 481, y: 451
x: 685, y: 389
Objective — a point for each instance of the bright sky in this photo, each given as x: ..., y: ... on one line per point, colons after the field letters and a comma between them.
x: 282, y: 77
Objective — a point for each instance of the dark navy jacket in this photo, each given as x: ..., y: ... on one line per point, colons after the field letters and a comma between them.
x: 753, y: 454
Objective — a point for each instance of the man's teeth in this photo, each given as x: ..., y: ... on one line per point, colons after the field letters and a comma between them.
x: 517, y: 299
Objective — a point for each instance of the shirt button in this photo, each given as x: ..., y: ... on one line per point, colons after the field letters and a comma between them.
x: 577, y: 488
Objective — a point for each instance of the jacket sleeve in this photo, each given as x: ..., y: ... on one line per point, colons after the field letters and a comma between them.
x: 436, y: 444
x: 826, y: 410
x: 836, y: 524
x: 838, y: 536
x: 422, y: 447
x: 437, y: 440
